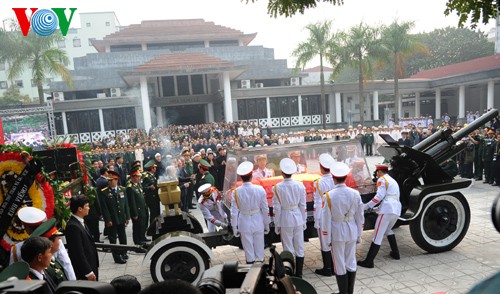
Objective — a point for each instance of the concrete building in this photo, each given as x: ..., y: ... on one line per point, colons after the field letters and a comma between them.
x: 77, y: 43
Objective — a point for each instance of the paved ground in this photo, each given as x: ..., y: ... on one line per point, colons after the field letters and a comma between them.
x: 456, y: 271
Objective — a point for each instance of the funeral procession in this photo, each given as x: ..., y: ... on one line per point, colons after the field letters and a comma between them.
x: 176, y: 153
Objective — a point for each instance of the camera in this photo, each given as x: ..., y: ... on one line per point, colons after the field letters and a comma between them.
x: 274, y: 277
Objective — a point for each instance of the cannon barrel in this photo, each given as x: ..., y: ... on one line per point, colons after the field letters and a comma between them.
x: 442, y: 150
x: 433, y: 140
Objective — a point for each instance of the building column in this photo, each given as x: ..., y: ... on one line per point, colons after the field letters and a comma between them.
x: 159, y: 116
x: 144, y: 47
x: 300, y: 108
x: 268, y: 110
x: 438, y: 104
x: 417, y: 104
x: 206, y: 43
x: 461, y: 101
x: 228, y: 108
x: 331, y: 106
x: 338, y: 108
x: 65, y: 123
x: 210, y: 110
x: 491, y: 95
x: 375, y: 106
x: 146, y: 111
x: 101, y: 122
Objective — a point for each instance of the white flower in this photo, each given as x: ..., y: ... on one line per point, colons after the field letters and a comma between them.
x: 10, y: 173
x: 4, y: 182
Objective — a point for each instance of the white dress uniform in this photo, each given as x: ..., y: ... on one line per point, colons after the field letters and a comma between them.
x: 250, y: 215
x: 211, y: 208
x: 289, y: 208
x: 263, y: 173
x: 343, y: 218
x: 321, y: 186
x: 389, y: 207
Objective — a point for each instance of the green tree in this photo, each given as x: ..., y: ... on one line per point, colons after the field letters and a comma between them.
x: 449, y: 46
x: 399, y: 44
x: 474, y: 11
x: 35, y: 53
x: 320, y: 42
x: 12, y: 96
x: 359, y: 48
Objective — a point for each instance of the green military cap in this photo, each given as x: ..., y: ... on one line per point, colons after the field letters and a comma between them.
x: 47, y: 229
x: 136, y: 163
x: 19, y: 269
x: 204, y: 164
x: 136, y: 170
x: 150, y: 165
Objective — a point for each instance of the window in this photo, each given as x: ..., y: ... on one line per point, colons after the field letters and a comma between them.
x: 252, y: 108
x: 77, y: 42
x: 284, y: 106
x: 90, y: 41
x: 61, y: 43
x: 3, y: 85
x: 2, y: 66
x: 108, y: 24
x: 88, y: 25
x: 19, y: 83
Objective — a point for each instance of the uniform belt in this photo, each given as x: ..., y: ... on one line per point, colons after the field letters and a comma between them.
x: 250, y: 212
x: 393, y: 196
x: 343, y: 219
x: 292, y: 207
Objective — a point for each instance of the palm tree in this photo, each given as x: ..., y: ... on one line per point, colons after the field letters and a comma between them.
x: 359, y: 49
x: 400, y: 45
x: 319, y: 42
x: 35, y: 53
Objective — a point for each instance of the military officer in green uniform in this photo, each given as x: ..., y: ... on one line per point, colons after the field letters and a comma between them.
x: 188, y: 168
x: 116, y: 214
x: 369, y: 139
x: 205, y: 176
x: 137, y: 205
x: 477, y: 139
x: 150, y: 188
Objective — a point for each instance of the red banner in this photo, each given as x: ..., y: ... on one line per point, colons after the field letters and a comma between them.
x: 1, y: 132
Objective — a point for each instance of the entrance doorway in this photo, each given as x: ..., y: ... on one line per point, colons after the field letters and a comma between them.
x: 185, y: 114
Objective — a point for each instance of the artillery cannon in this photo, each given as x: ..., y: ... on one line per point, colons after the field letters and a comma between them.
x: 433, y: 206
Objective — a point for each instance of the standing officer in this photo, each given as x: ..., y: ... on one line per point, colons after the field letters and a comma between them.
x: 150, y: 187
x: 369, y: 139
x: 387, y: 198
x: 250, y: 214
x: 205, y: 176
x: 116, y: 214
x: 210, y: 206
x: 342, y: 219
x: 488, y: 157
x: 137, y: 205
x: 322, y: 185
x: 289, y: 207
x: 188, y: 167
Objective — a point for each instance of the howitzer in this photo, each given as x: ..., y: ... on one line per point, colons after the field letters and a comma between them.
x: 437, y: 212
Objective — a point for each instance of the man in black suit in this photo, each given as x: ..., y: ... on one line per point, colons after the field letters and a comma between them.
x: 121, y: 170
x: 80, y: 243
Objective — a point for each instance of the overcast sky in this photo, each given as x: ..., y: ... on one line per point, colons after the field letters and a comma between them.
x: 282, y: 34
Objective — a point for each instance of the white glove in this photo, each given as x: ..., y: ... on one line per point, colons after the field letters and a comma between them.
x: 304, y: 226
x: 277, y: 230
x: 358, y: 240
x: 365, y: 206
x: 236, y: 233
x: 266, y: 229
x: 316, y: 225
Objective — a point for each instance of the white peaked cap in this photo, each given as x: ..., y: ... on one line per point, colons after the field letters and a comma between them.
x: 288, y: 166
x: 203, y: 188
x: 326, y: 160
x: 339, y: 169
x: 31, y: 216
x: 244, y: 168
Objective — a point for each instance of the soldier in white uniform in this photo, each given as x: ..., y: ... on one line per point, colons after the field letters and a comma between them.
x: 322, y: 185
x: 289, y: 207
x: 342, y: 218
x: 387, y: 198
x: 32, y: 217
x: 262, y: 171
x: 250, y: 214
x: 211, y: 207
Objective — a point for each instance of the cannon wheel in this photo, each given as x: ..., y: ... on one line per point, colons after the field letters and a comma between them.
x: 442, y: 224
x: 179, y: 260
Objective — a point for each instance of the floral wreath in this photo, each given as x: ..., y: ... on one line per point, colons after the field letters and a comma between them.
x: 40, y: 193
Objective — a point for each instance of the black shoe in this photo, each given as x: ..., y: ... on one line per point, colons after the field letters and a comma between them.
x: 342, y: 284
x: 494, y: 185
x: 351, y: 279
x: 125, y: 256
x: 394, y: 247
x: 147, y: 240
x: 299, y: 264
x: 327, y: 264
x: 485, y: 182
x: 120, y: 260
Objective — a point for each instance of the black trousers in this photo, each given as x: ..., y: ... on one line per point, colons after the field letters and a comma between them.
x: 496, y: 171
x: 139, y: 228
x: 369, y: 149
x: 153, y: 203
x: 488, y: 175
x: 478, y: 167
